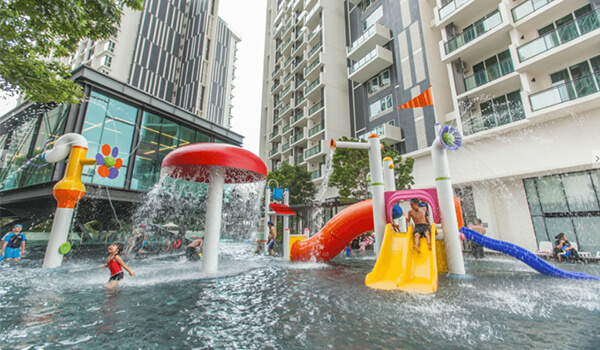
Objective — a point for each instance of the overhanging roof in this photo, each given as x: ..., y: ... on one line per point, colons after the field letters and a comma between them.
x: 282, y: 209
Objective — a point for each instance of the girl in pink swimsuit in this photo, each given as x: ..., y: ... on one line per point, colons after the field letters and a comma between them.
x: 115, y: 264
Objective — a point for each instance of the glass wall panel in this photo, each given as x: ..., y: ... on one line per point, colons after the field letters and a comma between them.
x: 539, y: 227
x: 201, y: 137
x: 219, y: 141
x: 150, y: 132
x: 551, y: 194
x: 169, y: 137
x: 580, y: 192
x: 532, y: 197
x: 112, y: 122
x: 17, y: 153
x: 555, y: 226
x: 187, y: 136
x: 51, y: 128
x: 588, y: 233
x: 596, y: 181
x: 146, y: 169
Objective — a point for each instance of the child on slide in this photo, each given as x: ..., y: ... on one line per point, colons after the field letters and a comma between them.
x: 115, y: 264
x: 418, y: 214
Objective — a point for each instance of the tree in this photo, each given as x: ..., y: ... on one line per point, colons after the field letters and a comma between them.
x: 33, y: 31
x: 351, y: 169
x: 297, y: 180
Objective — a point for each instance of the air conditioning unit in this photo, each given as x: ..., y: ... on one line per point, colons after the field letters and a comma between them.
x: 464, y: 66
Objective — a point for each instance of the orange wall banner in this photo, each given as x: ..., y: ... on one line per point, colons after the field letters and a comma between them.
x: 424, y: 99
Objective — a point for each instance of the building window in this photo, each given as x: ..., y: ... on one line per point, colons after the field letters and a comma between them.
x: 380, y: 106
x: 378, y: 82
x: 109, y: 46
x: 90, y: 54
x: 568, y: 203
x: 108, y: 121
x: 107, y: 61
x: 365, y: 4
x: 373, y: 17
x: 497, y: 112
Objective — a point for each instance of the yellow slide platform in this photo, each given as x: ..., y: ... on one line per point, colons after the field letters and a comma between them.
x: 399, y: 266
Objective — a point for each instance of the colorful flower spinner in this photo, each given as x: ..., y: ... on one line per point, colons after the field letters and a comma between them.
x: 109, y: 163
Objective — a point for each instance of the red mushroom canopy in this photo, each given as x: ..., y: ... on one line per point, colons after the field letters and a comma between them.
x: 194, y: 163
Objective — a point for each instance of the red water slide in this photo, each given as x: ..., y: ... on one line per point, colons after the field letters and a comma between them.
x: 337, y: 233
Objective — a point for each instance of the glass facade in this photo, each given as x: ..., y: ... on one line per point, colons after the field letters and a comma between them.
x: 22, y: 145
x: 143, y: 140
x: 568, y: 203
x: 496, y: 112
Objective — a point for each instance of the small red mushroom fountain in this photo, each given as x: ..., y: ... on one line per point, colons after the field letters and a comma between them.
x: 215, y: 164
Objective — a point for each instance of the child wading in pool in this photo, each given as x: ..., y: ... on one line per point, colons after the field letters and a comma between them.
x: 419, y: 217
x: 115, y: 264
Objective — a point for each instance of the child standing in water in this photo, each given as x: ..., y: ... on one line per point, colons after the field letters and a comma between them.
x: 115, y: 264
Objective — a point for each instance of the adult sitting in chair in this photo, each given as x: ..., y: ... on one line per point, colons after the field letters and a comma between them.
x: 564, y: 249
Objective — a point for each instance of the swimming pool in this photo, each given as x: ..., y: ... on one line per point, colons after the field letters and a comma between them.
x: 259, y: 302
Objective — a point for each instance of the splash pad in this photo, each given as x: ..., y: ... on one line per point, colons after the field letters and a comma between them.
x: 215, y: 164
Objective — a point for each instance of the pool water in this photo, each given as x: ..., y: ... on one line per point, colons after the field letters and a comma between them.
x: 260, y: 302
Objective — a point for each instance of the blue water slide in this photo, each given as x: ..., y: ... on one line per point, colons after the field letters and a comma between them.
x: 524, y: 255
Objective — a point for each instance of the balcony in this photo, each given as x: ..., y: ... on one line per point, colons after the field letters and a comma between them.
x: 300, y: 83
x: 286, y: 129
x: 568, y: 91
x: 493, y: 72
x: 316, y: 130
x: 287, y: 47
x: 285, y: 111
x: 312, y: 91
x: 299, y: 159
x: 285, y: 93
x: 314, y: 16
x: 313, y: 111
x: 299, y: 140
x: 301, y: 101
x: 473, y: 33
x: 275, y: 71
x: 377, y: 34
x: 273, y: 151
x: 288, y: 78
x: 528, y: 7
x: 313, y: 69
x: 288, y: 62
x: 566, y: 33
x: 316, y: 174
x: 312, y: 152
x: 388, y: 133
x: 285, y: 148
x: 287, y: 30
x: 276, y: 87
x: 274, y: 134
x: 299, y: 64
x: 300, y: 44
x: 298, y: 120
x: 314, y: 50
x: 450, y: 8
x: 313, y: 38
x: 472, y: 124
x: 374, y: 62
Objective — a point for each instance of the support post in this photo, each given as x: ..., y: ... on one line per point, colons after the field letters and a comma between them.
x: 267, y: 209
x: 212, y: 231
x: 286, y: 227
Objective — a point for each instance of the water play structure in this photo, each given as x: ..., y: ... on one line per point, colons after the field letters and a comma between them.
x: 67, y: 192
x: 215, y: 164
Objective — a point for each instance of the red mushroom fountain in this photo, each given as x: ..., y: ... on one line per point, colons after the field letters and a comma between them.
x: 215, y: 164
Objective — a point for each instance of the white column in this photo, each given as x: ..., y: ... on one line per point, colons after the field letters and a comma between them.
x: 286, y: 228
x: 377, y: 190
x: 456, y: 264
x: 58, y: 236
x: 212, y: 230
x: 389, y: 180
x: 267, y: 210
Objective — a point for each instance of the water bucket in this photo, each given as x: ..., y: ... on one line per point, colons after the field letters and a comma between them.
x: 277, y: 194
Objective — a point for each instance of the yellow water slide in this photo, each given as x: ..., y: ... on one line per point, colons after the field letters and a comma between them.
x: 399, y: 266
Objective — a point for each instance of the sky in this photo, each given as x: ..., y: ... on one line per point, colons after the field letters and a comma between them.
x: 247, y: 20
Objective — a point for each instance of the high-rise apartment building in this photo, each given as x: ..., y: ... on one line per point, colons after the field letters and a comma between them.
x: 520, y: 79
x: 170, y: 50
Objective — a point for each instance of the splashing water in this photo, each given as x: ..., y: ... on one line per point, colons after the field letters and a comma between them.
x: 317, y: 213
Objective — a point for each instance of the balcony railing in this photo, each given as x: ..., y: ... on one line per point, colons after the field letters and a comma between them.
x: 273, y: 152
x: 565, y: 92
x: 362, y: 38
x: 287, y: 128
x: 297, y: 117
x: 275, y: 86
x: 297, y: 138
x: 493, y: 72
x: 299, y: 100
x: 285, y: 91
x: 288, y: 61
x: 285, y: 147
x: 567, y: 32
x: 287, y: 78
x: 274, y: 133
x: 315, y: 174
x: 314, y: 130
x: 315, y: 49
x: 299, y: 159
x: 472, y: 33
x: 356, y: 66
x: 528, y: 7
x: 284, y: 108
x: 312, y: 85
x: 312, y: 151
x: 451, y: 7
x: 275, y: 70
x: 314, y: 32
x: 503, y: 114
x: 312, y: 66
x: 315, y: 108
x: 300, y: 82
